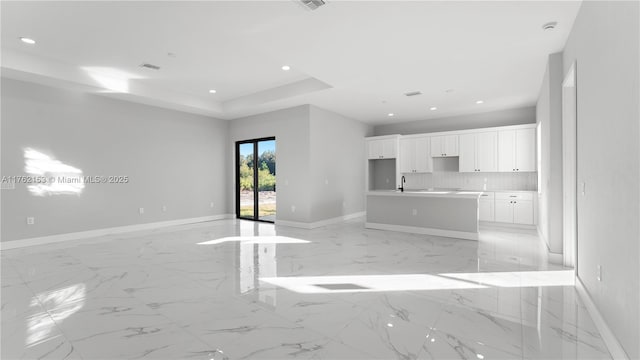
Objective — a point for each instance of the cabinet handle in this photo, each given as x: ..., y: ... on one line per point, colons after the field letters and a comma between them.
x: 517, y: 169
x: 513, y: 195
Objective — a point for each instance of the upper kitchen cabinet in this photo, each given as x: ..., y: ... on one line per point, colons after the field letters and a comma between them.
x: 479, y: 152
x: 517, y: 150
x: 444, y: 146
x: 414, y: 155
x: 382, y: 147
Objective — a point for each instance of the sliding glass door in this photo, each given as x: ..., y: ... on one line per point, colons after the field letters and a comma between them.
x: 256, y: 179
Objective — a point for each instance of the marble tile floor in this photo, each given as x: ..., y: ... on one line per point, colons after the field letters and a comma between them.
x: 241, y: 290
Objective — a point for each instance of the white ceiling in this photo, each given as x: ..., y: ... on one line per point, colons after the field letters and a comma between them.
x: 356, y: 58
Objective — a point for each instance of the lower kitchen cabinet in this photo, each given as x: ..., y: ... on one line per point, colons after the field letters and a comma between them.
x: 486, y: 207
x: 514, y: 208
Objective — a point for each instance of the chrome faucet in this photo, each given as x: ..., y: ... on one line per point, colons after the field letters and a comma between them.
x: 402, y: 181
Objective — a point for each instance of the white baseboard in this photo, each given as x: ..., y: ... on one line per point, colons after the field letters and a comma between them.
x: 552, y: 257
x: 555, y: 258
x: 317, y: 224
x: 613, y: 345
x: 14, y: 244
x: 422, y: 230
x: 509, y: 225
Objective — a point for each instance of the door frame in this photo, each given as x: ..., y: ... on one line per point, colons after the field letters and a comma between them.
x: 570, y: 168
x: 256, y: 200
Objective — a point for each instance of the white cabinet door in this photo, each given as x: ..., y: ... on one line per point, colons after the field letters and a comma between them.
x: 486, y: 151
x: 506, y: 150
x: 444, y: 145
x: 467, y: 153
x: 382, y: 148
x: 407, y: 155
x: 423, y: 160
x: 451, y: 145
x: 389, y: 148
x: 415, y: 155
x: 523, y: 212
x: 517, y: 150
x: 437, y: 145
x: 486, y: 210
x: 504, y: 211
x: 375, y: 149
x: 526, y: 150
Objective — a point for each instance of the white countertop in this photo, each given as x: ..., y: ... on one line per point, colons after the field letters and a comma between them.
x: 427, y: 193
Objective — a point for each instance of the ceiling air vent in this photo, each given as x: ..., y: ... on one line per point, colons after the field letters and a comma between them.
x: 412, y: 93
x: 313, y: 4
x: 150, y: 66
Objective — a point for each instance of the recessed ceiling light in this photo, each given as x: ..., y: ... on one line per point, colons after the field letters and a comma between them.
x: 212, y: 91
x: 27, y: 40
x: 433, y: 108
x: 550, y: 25
x: 391, y: 114
x: 286, y: 68
x: 479, y: 102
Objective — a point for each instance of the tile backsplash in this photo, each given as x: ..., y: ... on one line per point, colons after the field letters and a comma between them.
x: 473, y: 181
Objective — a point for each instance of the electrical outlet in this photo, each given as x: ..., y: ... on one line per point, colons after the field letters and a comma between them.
x: 31, y: 220
x: 583, y: 186
x: 414, y: 212
x: 141, y: 210
x: 599, y: 274
x: 164, y: 208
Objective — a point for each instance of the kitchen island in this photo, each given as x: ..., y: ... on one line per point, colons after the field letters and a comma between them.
x: 450, y: 213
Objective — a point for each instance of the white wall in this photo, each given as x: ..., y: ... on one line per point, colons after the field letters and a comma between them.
x: 604, y: 43
x: 291, y: 129
x: 172, y: 158
x: 337, y: 161
x: 320, y: 160
x: 526, y: 115
x: 549, y: 117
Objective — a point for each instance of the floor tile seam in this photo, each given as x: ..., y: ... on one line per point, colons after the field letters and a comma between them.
x: 57, y: 326
x: 522, y: 332
x: 429, y: 333
x: 13, y: 267
x: 470, y: 340
x: 167, y: 321
x: 282, y: 317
